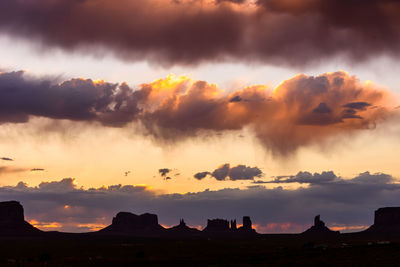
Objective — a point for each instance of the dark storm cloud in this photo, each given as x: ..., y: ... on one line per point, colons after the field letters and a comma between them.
x: 301, y: 111
x: 226, y: 172
x: 322, y: 108
x: 75, y: 99
x: 190, y: 32
x: 357, y: 105
x: 340, y: 201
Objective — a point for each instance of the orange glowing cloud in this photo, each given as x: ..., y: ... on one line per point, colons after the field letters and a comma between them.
x: 300, y: 111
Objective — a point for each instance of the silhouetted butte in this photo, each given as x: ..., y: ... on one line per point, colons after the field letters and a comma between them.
x: 12, y: 221
x: 319, y: 229
x: 386, y: 221
x: 129, y: 223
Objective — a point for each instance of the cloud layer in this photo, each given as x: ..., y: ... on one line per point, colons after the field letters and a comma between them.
x: 345, y: 203
x: 194, y: 31
x: 226, y: 172
x: 301, y: 111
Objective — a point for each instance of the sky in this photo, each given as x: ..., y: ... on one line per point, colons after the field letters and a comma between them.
x: 197, y: 109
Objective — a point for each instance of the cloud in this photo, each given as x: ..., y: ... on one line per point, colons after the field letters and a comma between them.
x: 6, y: 159
x: 226, y: 172
x: 304, y: 177
x: 75, y: 99
x: 357, y: 105
x: 37, y: 170
x: 330, y: 177
x: 164, y: 172
x: 201, y: 175
x: 5, y: 170
x: 190, y: 32
x: 301, y: 111
x: 343, y: 202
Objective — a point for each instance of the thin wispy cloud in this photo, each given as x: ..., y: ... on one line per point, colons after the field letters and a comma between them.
x: 37, y: 170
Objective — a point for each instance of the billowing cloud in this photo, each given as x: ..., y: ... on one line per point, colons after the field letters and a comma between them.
x: 226, y: 172
x: 76, y: 99
x: 300, y: 111
x: 190, y: 32
x: 348, y: 203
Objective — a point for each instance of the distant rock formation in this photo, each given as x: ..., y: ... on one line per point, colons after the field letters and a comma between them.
x: 319, y: 229
x: 233, y: 225
x: 183, y: 230
x: 220, y: 226
x: 129, y: 223
x: 247, y: 226
x: 386, y: 221
x: 12, y: 220
x: 217, y: 226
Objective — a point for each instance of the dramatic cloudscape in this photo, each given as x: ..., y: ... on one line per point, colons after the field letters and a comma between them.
x: 196, y: 109
x: 193, y: 31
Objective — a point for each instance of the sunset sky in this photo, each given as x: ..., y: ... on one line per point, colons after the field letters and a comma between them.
x: 195, y: 109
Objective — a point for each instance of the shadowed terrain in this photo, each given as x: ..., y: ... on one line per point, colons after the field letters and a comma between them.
x: 139, y: 240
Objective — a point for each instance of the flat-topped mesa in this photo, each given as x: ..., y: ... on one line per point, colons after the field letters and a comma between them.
x: 126, y: 222
x: 319, y: 229
x: 217, y: 226
x: 387, y: 220
x: 12, y: 220
x: 11, y: 212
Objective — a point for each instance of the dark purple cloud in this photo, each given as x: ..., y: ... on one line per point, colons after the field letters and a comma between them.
x: 163, y: 172
x: 190, y: 32
x: 75, y: 99
x: 226, y: 172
